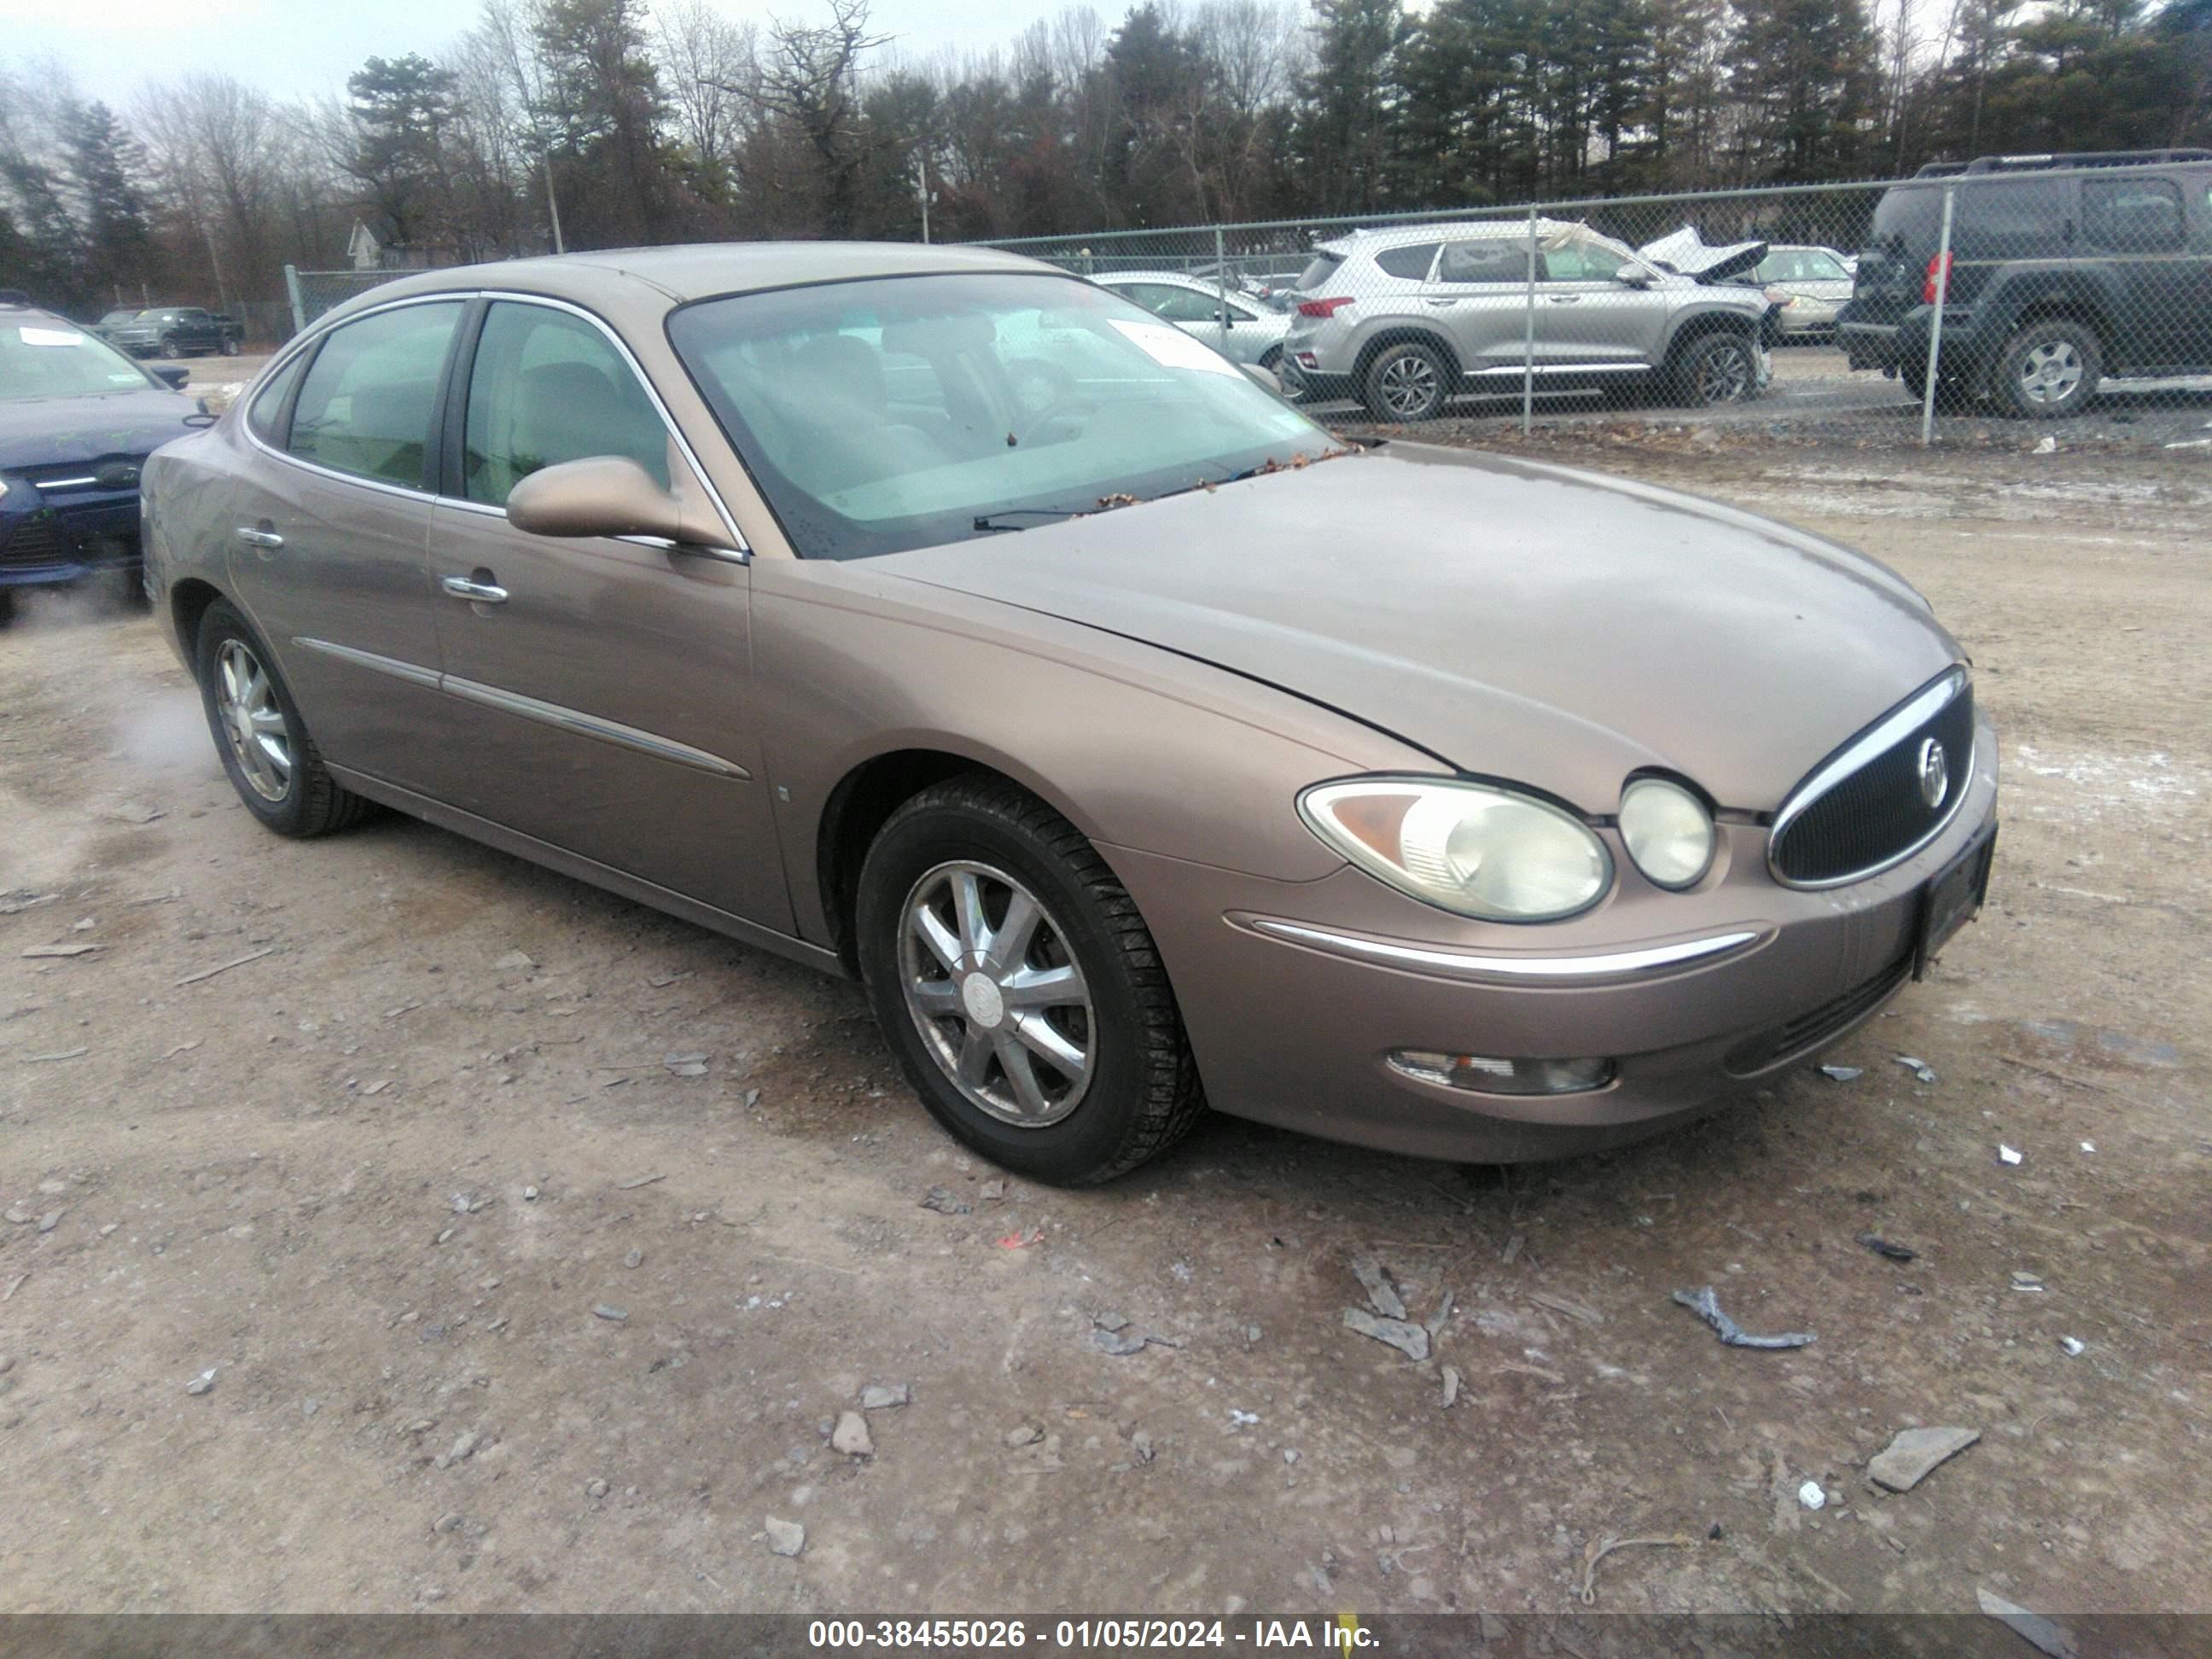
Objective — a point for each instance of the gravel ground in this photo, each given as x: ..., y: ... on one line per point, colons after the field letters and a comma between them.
x: 369, y: 1244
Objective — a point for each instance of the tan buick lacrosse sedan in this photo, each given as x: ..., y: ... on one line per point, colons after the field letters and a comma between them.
x: 934, y: 616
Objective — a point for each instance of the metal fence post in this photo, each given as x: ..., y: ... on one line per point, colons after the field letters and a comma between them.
x: 1528, y: 339
x: 1221, y: 291
x: 292, y: 292
x: 1936, y: 326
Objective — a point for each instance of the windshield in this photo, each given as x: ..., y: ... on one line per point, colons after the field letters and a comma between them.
x: 909, y: 412
x: 57, y: 360
x: 115, y: 319
x: 1318, y: 270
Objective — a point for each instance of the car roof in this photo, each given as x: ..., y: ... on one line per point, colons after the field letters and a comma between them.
x: 1455, y: 230
x: 664, y: 277
x: 1184, y: 277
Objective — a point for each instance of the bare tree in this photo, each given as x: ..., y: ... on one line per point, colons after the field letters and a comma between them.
x: 808, y: 77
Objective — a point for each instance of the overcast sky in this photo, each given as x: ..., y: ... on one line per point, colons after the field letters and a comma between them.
x: 307, y: 48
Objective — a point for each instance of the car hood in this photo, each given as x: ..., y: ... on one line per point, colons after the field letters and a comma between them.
x: 59, y: 431
x: 1684, y: 250
x: 1517, y: 621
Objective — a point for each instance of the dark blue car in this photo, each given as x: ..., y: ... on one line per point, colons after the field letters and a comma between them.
x: 77, y: 420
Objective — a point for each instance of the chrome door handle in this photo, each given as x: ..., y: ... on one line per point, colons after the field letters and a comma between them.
x: 461, y: 588
x: 259, y: 537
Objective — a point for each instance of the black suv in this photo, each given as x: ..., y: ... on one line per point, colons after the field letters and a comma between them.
x: 2063, y: 269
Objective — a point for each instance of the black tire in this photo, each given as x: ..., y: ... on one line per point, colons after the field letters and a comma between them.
x: 1142, y: 1092
x: 1716, y: 369
x: 232, y: 346
x: 2048, y: 370
x: 169, y: 349
x: 313, y: 803
x: 1411, y: 380
x: 7, y: 605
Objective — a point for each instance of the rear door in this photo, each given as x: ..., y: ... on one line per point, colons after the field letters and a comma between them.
x: 602, y: 701
x: 329, y: 528
x: 1480, y: 293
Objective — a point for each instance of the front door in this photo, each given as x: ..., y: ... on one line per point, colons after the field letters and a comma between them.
x: 328, y: 543
x: 599, y: 690
x: 2163, y: 284
x: 1586, y: 314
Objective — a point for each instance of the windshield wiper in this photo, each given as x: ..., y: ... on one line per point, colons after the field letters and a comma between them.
x: 989, y: 521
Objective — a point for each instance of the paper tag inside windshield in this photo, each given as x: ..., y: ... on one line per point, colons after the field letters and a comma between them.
x: 52, y: 336
x: 1170, y: 348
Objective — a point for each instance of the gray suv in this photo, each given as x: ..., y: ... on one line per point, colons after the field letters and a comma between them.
x: 1406, y: 318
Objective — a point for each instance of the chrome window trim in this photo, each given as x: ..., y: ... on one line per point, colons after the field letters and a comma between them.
x: 1480, y: 968
x: 743, y: 549
x: 558, y: 716
x: 742, y: 553
x: 1921, y: 706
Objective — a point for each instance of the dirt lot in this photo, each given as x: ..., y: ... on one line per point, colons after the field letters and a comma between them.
x: 376, y: 1179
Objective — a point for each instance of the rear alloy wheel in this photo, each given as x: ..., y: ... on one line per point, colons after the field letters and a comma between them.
x: 169, y: 349
x: 1019, y: 988
x: 1408, y: 382
x: 2047, y: 369
x: 232, y: 346
x: 273, y: 761
x: 1719, y: 368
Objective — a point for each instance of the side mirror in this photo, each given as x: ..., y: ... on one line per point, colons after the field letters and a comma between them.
x: 173, y: 375
x: 1633, y: 276
x: 609, y: 495
x: 1268, y: 380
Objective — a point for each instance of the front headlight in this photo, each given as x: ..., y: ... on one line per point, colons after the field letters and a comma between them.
x: 1467, y: 847
x: 1668, y: 832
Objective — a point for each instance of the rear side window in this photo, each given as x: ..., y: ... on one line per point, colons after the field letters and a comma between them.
x: 365, y: 405
x: 2137, y: 215
x: 548, y: 387
x: 263, y: 414
x: 1487, y: 262
x: 1411, y: 263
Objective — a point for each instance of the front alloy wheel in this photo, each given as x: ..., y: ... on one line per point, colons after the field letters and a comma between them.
x: 1018, y: 988
x: 1720, y: 368
x: 1002, y: 1005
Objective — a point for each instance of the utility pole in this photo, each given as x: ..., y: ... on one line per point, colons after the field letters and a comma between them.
x: 922, y: 189
x: 553, y: 207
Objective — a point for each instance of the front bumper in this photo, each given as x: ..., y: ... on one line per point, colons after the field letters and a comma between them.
x: 1297, y: 1032
x: 45, y: 545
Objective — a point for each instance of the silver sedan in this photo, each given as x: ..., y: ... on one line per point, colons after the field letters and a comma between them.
x: 1242, y: 327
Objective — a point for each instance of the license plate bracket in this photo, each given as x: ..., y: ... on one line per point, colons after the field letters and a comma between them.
x: 1951, y: 898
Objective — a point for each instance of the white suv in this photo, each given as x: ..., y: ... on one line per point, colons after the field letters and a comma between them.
x: 1406, y: 318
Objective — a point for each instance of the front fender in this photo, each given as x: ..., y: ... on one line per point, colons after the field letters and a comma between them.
x: 1135, y: 746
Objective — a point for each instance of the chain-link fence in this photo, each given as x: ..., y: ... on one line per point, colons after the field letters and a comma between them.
x: 2068, y: 286
x: 314, y: 292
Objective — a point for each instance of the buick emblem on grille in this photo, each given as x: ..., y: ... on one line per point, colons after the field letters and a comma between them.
x: 1934, y: 772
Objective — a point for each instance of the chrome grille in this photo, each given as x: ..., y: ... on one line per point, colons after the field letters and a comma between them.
x: 1865, y: 808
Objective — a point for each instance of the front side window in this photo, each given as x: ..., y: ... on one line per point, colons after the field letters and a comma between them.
x: 547, y: 388
x: 366, y: 404
x: 896, y: 413
x: 1586, y: 259
x: 59, y: 360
